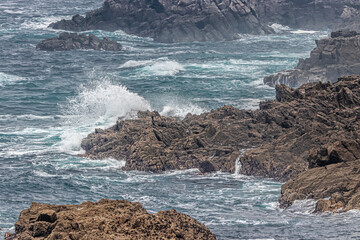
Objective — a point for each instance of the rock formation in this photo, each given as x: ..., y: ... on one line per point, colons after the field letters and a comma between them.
x: 281, y: 139
x: 106, y: 219
x: 333, y: 57
x: 310, y: 14
x: 214, y: 20
x: 71, y: 41
x: 172, y: 21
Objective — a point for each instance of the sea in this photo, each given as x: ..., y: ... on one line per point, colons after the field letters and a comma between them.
x: 49, y: 101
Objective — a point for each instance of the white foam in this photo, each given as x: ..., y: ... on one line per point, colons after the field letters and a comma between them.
x: 303, y: 32
x: 181, y: 110
x: 8, y: 79
x: 278, y: 28
x: 40, y: 23
x: 134, y: 63
x: 97, y: 106
x: 163, y: 68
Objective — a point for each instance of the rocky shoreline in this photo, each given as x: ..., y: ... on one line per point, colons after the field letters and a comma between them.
x: 72, y: 41
x: 187, y: 21
x: 106, y: 219
x: 310, y: 127
x: 332, y: 58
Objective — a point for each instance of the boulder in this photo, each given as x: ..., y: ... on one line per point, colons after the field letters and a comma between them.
x: 72, y: 41
x: 281, y: 139
x: 172, y: 20
x: 332, y: 58
x: 106, y: 219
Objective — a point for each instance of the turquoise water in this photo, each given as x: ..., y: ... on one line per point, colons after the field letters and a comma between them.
x: 50, y: 101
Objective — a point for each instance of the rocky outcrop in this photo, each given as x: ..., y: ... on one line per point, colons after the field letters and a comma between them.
x: 172, y: 21
x: 279, y: 139
x: 106, y: 219
x: 336, y: 187
x: 71, y: 41
x: 333, y: 57
x: 310, y: 14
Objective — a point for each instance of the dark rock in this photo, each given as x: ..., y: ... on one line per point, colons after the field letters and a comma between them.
x: 106, y: 219
x: 332, y: 58
x: 310, y: 14
x: 283, y: 138
x: 172, y: 21
x: 72, y: 41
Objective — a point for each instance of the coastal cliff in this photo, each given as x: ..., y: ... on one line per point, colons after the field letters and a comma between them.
x: 332, y: 58
x: 106, y: 219
x: 172, y: 21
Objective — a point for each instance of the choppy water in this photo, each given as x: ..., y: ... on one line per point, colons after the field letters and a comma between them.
x: 50, y: 101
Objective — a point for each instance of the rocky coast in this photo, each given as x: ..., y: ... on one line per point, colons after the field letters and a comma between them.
x: 72, y: 41
x: 301, y: 132
x: 186, y: 21
x: 333, y: 57
x: 106, y: 219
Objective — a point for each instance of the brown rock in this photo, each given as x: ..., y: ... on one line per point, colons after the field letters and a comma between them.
x: 281, y: 138
x: 106, y: 219
x: 336, y: 187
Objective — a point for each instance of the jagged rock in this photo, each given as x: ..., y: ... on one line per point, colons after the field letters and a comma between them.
x: 310, y: 14
x: 336, y: 187
x: 332, y: 58
x: 282, y: 138
x: 106, y: 219
x: 172, y: 21
x: 72, y: 41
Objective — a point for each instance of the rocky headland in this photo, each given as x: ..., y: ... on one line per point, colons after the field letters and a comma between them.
x: 172, y: 21
x: 310, y: 131
x: 106, y: 219
x: 72, y: 41
x: 214, y: 20
x: 333, y: 57
x: 310, y: 14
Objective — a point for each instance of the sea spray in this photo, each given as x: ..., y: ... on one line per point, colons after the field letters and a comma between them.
x: 97, y: 106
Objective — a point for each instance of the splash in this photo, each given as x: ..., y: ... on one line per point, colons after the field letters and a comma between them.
x: 97, y: 106
x: 181, y: 110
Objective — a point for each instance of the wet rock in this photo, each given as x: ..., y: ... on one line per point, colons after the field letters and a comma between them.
x: 72, y: 41
x: 336, y: 187
x: 172, y: 21
x: 282, y: 139
x: 106, y: 219
x: 310, y: 14
x: 332, y: 58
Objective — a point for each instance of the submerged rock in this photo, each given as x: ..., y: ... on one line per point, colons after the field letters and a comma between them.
x: 172, y: 21
x: 281, y: 139
x: 72, y: 41
x: 333, y: 57
x: 106, y: 219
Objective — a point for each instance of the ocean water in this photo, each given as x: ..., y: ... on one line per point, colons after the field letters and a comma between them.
x: 49, y: 101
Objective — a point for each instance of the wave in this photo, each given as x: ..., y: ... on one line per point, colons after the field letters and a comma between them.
x: 181, y: 110
x: 97, y: 106
x: 278, y: 28
x: 134, y: 64
x: 8, y: 79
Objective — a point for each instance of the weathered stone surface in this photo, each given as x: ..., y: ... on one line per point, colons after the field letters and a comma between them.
x: 332, y: 58
x: 280, y: 138
x: 172, y: 21
x: 71, y: 41
x: 336, y: 187
x: 310, y: 14
x: 106, y: 219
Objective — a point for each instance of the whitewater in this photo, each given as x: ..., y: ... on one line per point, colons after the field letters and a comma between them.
x: 49, y: 101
